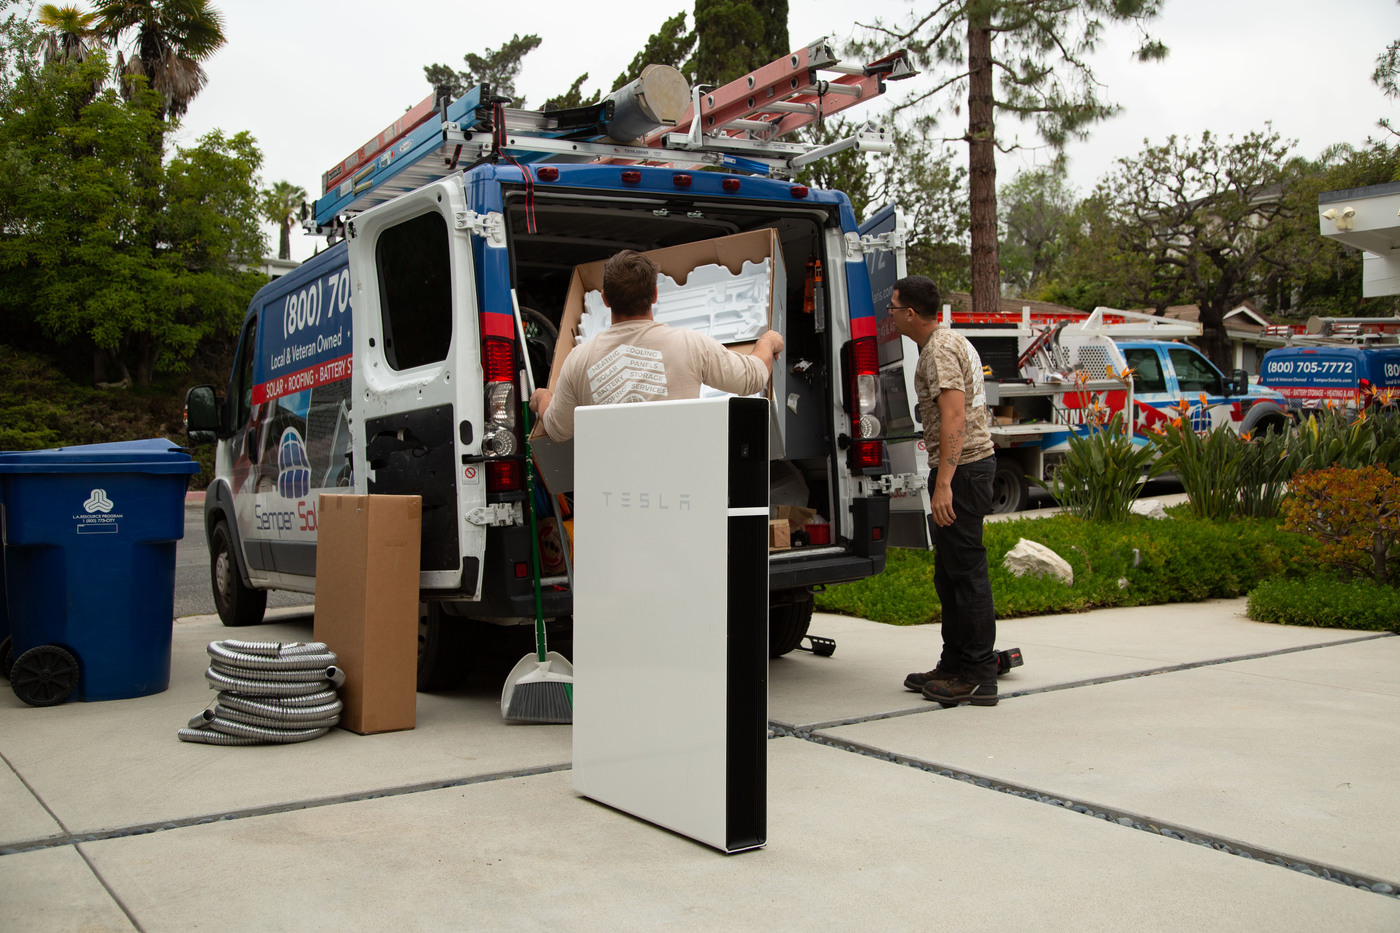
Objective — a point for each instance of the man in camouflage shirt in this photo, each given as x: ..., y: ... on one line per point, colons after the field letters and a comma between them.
x: 957, y: 432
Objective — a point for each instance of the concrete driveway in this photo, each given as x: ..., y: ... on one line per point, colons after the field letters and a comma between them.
x: 1159, y: 768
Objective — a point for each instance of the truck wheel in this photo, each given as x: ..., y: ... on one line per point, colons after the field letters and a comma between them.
x: 789, y: 614
x: 442, y: 660
x: 1010, y: 490
x: 1264, y: 417
x: 238, y: 605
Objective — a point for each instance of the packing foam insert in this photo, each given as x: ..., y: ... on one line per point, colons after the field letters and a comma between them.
x: 728, y: 307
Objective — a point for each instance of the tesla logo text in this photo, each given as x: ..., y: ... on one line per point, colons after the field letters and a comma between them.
x: 660, y: 501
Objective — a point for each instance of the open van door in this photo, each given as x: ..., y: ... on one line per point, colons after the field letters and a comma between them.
x: 417, y: 382
x: 882, y: 242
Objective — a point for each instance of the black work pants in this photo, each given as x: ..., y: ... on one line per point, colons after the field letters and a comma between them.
x: 960, y: 576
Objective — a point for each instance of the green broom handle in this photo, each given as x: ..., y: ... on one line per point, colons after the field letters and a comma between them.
x: 540, y: 646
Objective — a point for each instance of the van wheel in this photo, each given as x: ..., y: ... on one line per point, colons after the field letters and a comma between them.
x: 789, y: 614
x: 442, y: 642
x: 1011, y: 492
x: 238, y: 605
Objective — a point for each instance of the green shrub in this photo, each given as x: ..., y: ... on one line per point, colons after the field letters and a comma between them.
x: 1326, y: 602
x: 1101, y: 474
x: 1177, y: 560
x: 1333, y: 436
x: 1224, y: 473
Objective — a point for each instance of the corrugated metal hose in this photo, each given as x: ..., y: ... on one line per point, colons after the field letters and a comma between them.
x: 269, y: 693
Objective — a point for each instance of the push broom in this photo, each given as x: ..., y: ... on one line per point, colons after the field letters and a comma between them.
x: 540, y: 688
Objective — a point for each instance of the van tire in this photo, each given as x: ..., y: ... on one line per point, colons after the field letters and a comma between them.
x: 442, y: 643
x: 789, y: 614
x: 1011, y: 491
x: 238, y: 605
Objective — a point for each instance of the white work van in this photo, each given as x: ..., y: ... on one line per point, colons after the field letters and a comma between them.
x: 390, y: 364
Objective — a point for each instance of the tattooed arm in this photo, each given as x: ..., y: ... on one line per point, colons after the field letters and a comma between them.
x: 951, y: 437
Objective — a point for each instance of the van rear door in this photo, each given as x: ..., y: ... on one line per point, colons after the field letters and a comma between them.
x: 882, y: 240
x: 417, y: 383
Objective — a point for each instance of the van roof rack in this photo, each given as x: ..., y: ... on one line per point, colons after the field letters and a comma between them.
x: 739, y: 128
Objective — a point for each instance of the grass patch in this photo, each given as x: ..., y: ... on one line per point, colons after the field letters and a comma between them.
x: 1326, y: 602
x: 1182, y: 559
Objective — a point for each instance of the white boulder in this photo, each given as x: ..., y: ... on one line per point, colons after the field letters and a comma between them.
x: 1152, y: 508
x: 1037, y: 559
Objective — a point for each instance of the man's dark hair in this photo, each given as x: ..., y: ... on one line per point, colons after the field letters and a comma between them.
x: 919, y: 292
x: 629, y: 282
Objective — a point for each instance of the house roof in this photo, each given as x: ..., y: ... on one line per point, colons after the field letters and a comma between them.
x: 1240, y: 320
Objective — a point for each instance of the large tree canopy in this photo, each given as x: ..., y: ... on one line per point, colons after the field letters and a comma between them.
x: 92, y: 259
x: 1026, y: 57
x: 737, y: 36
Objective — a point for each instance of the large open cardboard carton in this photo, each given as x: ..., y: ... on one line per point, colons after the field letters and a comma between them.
x: 367, y: 557
x: 732, y: 252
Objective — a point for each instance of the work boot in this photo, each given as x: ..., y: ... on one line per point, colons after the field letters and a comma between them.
x: 916, y: 681
x: 955, y: 690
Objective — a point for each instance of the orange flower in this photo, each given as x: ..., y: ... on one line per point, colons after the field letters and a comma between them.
x: 1204, y: 402
x: 1246, y: 436
x: 1176, y: 422
x: 1183, y: 406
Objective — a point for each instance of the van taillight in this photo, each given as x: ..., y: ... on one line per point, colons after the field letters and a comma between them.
x: 862, y: 394
x: 500, y: 437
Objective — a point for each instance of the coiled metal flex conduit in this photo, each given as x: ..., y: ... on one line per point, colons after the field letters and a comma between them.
x: 269, y: 693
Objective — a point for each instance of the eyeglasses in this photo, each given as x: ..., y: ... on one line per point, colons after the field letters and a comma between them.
x: 898, y: 308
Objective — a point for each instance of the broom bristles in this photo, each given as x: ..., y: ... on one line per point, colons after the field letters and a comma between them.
x: 541, y: 701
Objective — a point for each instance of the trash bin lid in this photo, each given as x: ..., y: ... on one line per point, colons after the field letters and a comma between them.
x: 156, y: 455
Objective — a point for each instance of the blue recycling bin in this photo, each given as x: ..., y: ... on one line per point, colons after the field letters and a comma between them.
x: 89, y: 566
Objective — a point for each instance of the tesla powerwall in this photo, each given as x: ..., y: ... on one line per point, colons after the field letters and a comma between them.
x: 671, y: 614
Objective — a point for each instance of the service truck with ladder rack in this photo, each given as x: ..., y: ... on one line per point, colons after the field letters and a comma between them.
x: 1045, y: 372
x: 391, y: 362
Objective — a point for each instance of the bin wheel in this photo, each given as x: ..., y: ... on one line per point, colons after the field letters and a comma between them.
x: 7, y: 657
x: 45, y: 676
x: 237, y: 604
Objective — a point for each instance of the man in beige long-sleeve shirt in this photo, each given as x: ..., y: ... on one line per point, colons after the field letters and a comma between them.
x: 638, y: 359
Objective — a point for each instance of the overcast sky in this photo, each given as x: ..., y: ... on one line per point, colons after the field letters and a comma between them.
x: 312, y: 82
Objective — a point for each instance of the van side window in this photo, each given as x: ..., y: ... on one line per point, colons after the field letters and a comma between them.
x: 1147, y: 375
x: 415, y: 290
x: 243, y: 389
x: 1194, y: 373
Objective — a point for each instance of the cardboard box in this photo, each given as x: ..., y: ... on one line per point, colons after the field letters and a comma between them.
x: 779, y: 538
x: 677, y: 262
x: 797, y: 517
x: 367, y: 564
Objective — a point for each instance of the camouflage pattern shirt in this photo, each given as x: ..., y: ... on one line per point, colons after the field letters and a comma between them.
x: 950, y: 361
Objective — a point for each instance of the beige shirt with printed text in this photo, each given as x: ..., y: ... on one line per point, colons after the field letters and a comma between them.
x: 646, y: 361
x: 949, y: 361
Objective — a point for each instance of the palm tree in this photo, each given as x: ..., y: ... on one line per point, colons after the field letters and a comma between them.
x: 172, y: 38
x: 280, y: 204
x: 69, y: 36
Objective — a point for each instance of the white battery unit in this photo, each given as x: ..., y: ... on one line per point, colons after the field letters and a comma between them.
x: 671, y: 615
